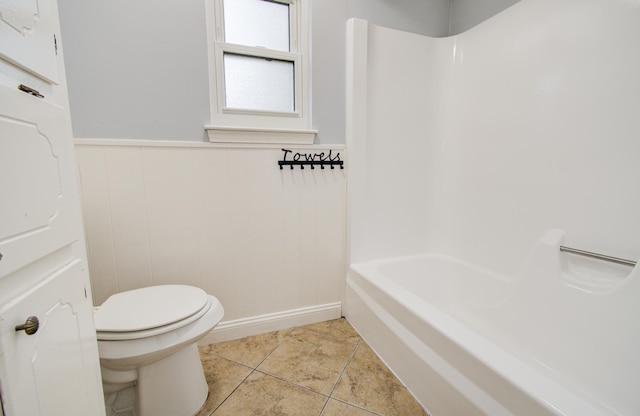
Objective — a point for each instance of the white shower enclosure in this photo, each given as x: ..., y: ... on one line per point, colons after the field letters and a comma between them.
x: 494, y: 145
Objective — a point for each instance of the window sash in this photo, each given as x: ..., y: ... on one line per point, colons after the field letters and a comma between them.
x: 224, y: 119
x: 293, y: 23
x: 260, y: 23
x: 221, y: 48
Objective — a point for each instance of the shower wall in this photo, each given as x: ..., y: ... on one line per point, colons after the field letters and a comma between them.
x: 393, y: 99
x: 524, y: 123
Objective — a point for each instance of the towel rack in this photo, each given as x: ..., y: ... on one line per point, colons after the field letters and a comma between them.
x: 312, y: 159
x: 598, y: 256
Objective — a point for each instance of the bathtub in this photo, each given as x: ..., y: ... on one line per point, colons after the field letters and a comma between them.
x: 560, y: 338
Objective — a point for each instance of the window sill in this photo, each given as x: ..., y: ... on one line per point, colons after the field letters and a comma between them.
x: 222, y: 134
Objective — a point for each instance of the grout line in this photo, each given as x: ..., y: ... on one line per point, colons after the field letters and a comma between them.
x: 292, y: 383
x: 326, y: 402
x: 331, y: 337
x: 232, y: 361
x: 274, y: 348
x: 253, y: 370
x: 232, y: 391
x: 357, y: 407
x: 357, y: 345
x: 324, y: 405
x: 344, y: 368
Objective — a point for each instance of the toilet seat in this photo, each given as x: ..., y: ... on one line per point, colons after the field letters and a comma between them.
x: 149, y: 311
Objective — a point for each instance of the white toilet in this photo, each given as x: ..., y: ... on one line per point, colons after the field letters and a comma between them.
x: 147, y: 339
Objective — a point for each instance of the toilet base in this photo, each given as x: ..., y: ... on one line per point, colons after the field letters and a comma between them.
x: 173, y: 386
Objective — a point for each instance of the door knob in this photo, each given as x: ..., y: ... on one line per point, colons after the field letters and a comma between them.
x: 30, y: 326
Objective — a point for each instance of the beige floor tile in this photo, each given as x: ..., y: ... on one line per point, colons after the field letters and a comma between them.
x: 263, y: 395
x: 223, y: 376
x: 249, y: 351
x: 368, y: 383
x: 336, y: 408
x: 337, y: 328
x: 309, y: 359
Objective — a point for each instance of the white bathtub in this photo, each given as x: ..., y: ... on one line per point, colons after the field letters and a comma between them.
x: 552, y: 341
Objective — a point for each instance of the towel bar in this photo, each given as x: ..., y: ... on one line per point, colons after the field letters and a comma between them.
x: 598, y: 256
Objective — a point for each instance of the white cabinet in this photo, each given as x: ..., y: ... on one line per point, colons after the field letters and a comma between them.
x: 43, y: 266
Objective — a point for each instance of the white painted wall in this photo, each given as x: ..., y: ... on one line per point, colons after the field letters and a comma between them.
x: 228, y: 220
x: 537, y: 129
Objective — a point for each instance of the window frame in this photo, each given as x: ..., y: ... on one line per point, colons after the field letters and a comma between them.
x: 260, y: 126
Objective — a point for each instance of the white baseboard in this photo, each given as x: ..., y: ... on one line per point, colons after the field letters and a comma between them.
x: 239, y: 328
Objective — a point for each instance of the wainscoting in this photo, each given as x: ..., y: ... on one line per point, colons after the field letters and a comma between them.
x: 269, y: 243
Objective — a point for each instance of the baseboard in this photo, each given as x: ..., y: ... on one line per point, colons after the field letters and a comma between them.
x: 239, y: 328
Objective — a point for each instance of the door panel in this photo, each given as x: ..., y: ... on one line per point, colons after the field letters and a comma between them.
x: 37, y: 177
x: 27, y: 33
x: 31, y: 201
x: 43, y: 267
x: 52, y: 378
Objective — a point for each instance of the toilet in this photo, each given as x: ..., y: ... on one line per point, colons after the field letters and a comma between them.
x: 147, y: 340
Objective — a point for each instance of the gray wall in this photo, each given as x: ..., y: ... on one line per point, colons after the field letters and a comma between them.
x: 466, y: 14
x: 138, y: 70
x: 417, y: 16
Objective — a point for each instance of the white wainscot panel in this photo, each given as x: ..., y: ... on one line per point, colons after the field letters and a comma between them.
x: 97, y: 221
x: 129, y: 220
x: 269, y: 243
x: 170, y: 199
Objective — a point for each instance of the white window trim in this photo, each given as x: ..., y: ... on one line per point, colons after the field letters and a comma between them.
x: 232, y: 125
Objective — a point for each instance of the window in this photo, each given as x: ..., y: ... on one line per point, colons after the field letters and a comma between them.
x: 259, y: 71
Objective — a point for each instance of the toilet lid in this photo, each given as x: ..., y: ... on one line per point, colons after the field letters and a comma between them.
x: 149, y: 307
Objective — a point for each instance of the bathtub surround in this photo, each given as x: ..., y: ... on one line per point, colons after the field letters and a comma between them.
x: 269, y: 243
x: 493, y: 148
x: 467, y: 341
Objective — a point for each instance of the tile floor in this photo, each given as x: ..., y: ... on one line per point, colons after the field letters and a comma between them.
x: 322, y: 369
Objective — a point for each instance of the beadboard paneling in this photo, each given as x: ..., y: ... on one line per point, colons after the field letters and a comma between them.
x: 226, y: 219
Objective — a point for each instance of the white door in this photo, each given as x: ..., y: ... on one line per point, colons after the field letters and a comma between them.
x: 48, y: 349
